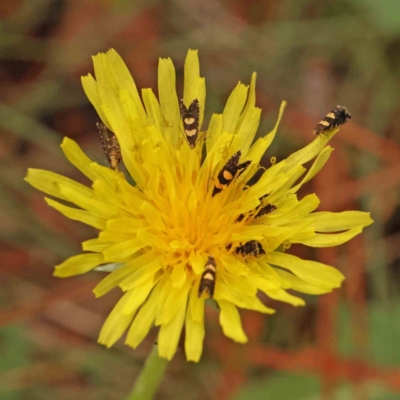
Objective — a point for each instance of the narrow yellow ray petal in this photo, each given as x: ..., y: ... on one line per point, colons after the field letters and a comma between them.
x: 310, y: 151
x: 318, y: 164
x: 88, y: 201
x: 122, y: 250
x: 77, y: 215
x: 126, y: 135
x: 214, y: 131
x: 168, y: 98
x: 117, y: 322
x: 230, y: 321
x: 331, y: 240
x: 239, y: 284
x: 169, y: 335
x: 153, y: 109
x: 249, y: 119
x: 139, y: 295
x: 95, y: 245
x: 141, y: 274
x: 258, y: 149
x: 336, y: 222
x: 90, y: 88
x: 152, y: 240
x: 196, y: 303
x: 194, y: 336
x: 178, y: 276
x: 49, y: 182
x: 144, y: 319
x: 300, y: 285
x: 313, y: 272
x: 225, y: 292
x: 234, y: 107
x: 305, y: 206
x: 77, y: 265
x: 115, y: 278
x: 79, y: 159
x: 176, y: 299
x: 281, y: 295
x: 124, y: 79
x: 234, y: 266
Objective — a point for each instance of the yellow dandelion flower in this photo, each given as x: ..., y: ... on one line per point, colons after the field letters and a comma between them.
x: 191, y: 227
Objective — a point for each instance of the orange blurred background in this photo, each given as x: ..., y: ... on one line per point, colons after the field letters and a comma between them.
x: 314, y: 54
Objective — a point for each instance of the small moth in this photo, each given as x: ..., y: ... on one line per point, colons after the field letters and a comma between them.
x: 111, y: 146
x: 230, y: 170
x: 190, y: 119
x: 337, y: 116
x: 207, y: 282
x: 251, y: 248
x: 267, y: 209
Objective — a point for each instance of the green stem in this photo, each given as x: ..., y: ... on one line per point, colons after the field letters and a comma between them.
x: 150, y: 377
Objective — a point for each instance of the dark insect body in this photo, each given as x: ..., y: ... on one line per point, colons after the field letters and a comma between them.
x: 251, y: 248
x: 207, y: 281
x: 232, y: 169
x: 111, y: 146
x: 259, y: 211
x: 267, y: 209
x: 190, y: 119
x: 337, y: 116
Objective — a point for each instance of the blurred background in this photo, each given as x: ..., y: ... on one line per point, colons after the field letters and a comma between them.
x: 314, y: 54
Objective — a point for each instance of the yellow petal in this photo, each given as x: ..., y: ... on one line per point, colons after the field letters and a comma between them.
x: 330, y: 240
x: 229, y: 319
x: 139, y: 295
x: 169, y: 335
x: 305, y: 206
x: 321, y: 160
x: 77, y: 265
x: 214, y: 131
x: 152, y: 240
x: 261, y: 145
x: 239, y: 284
x: 194, y: 336
x: 197, y: 261
x: 249, y: 119
x: 124, y: 80
x: 312, y: 272
x: 77, y: 215
x: 49, y: 182
x: 117, y: 322
x: 310, y: 151
x: 168, y: 98
x: 234, y: 265
x: 78, y: 158
x: 128, y: 225
x: 281, y: 295
x: 295, y: 283
x: 90, y: 87
x: 95, y: 245
x: 225, y: 292
x: 143, y: 320
x: 126, y: 133
x: 153, y: 109
x: 196, y: 303
x: 141, y: 274
x: 194, y: 85
x: 336, y: 222
x: 233, y: 108
x: 115, y: 278
x: 178, y: 275
x: 176, y: 299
